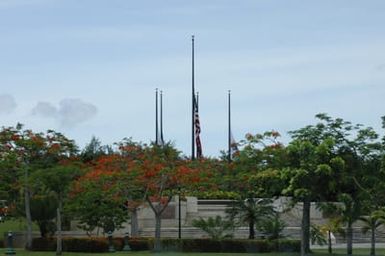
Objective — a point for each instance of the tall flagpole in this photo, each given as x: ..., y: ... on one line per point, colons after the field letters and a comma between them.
x: 229, y: 128
x: 193, y: 103
x: 156, y: 117
x: 161, y: 117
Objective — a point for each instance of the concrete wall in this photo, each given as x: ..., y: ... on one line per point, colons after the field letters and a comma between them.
x: 193, y: 208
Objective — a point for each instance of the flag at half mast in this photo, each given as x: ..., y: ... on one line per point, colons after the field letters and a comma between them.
x: 197, y: 127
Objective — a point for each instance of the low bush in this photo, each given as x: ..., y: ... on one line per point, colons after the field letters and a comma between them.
x: 43, y: 244
x: 1, y: 243
x: 71, y: 244
x: 85, y: 245
x: 228, y: 246
x: 141, y: 244
x: 184, y: 245
x: 286, y: 245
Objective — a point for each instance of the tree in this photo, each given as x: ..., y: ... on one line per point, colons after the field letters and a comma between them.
x: 43, y: 211
x: 217, y: 228
x: 256, y: 166
x: 131, y: 151
x: 272, y: 227
x: 23, y: 151
x: 252, y: 211
x: 351, y: 152
x: 96, y: 199
x: 372, y: 222
x: 312, y: 173
x: 57, y: 180
x: 162, y: 173
x: 93, y: 150
x: 334, y: 225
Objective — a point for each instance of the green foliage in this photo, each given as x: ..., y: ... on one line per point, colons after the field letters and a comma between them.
x: 43, y: 211
x: 251, y: 211
x: 216, y: 228
x: 256, y: 166
x: 316, y: 235
x: 313, y: 169
x: 219, y: 194
x: 373, y: 221
x: 98, y: 208
x: 184, y: 245
x: 272, y: 227
x: 230, y: 246
x: 93, y: 150
x: 72, y: 244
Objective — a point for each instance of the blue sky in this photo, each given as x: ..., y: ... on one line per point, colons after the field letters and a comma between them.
x: 90, y: 67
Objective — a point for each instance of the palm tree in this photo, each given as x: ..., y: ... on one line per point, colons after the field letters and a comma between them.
x: 371, y: 223
x: 216, y: 228
x: 334, y: 225
x: 251, y: 211
x: 272, y: 227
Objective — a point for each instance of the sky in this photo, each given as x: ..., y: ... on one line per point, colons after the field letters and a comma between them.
x: 90, y: 67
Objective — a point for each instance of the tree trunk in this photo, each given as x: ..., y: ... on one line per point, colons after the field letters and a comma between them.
x: 251, y: 230
x: 58, y: 229
x: 158, y: 222
x: 305, y: 235
x: 134, y: 222
x: 43, y: 227
x: 330, y: 242
x: 158, y: 210
x: 27, y: 201
x: 373, y: 240
x: 349, y: 239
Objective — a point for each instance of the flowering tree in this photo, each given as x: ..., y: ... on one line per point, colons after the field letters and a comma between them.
x: 135, y: 174
x: 161, y: 174
x: 23, y: 151
x: 96, y: 198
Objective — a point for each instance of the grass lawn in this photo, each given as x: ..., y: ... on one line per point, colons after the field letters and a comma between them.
x: 319, y: 252
x: 15, y: 225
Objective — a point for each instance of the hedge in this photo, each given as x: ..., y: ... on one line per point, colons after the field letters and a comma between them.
x: 71, y: 244
x: 168, y: 244
x: 250, y: 246
x: 87, y: 244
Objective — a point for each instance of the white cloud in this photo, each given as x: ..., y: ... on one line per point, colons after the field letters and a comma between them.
x: 44, y: 109
x: 70, y: 112
x: 75, y: 111
x: 7, y: 104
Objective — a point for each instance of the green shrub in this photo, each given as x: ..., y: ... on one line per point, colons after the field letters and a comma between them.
x: 272, y: 227
x: 200, y: 245
x: 217, y: 228
x: 286, y: 245
x: 43, y: 244
x: 1, y: 243
x: 184, y: 245
x: 71, y: 244
x: 85, y: 245
x: 118, y: 243
x: 232, y: 246
x: 140, y: 244
x: 229, y: 246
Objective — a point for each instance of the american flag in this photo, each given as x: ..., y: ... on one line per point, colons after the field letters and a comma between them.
x: 197, y: 129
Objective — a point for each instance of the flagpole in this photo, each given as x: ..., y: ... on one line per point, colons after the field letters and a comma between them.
x: 156, y: 116
x: 161, y: 117
x: 193, y: 101
x: 197, y: 110
x: 229, y: 128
